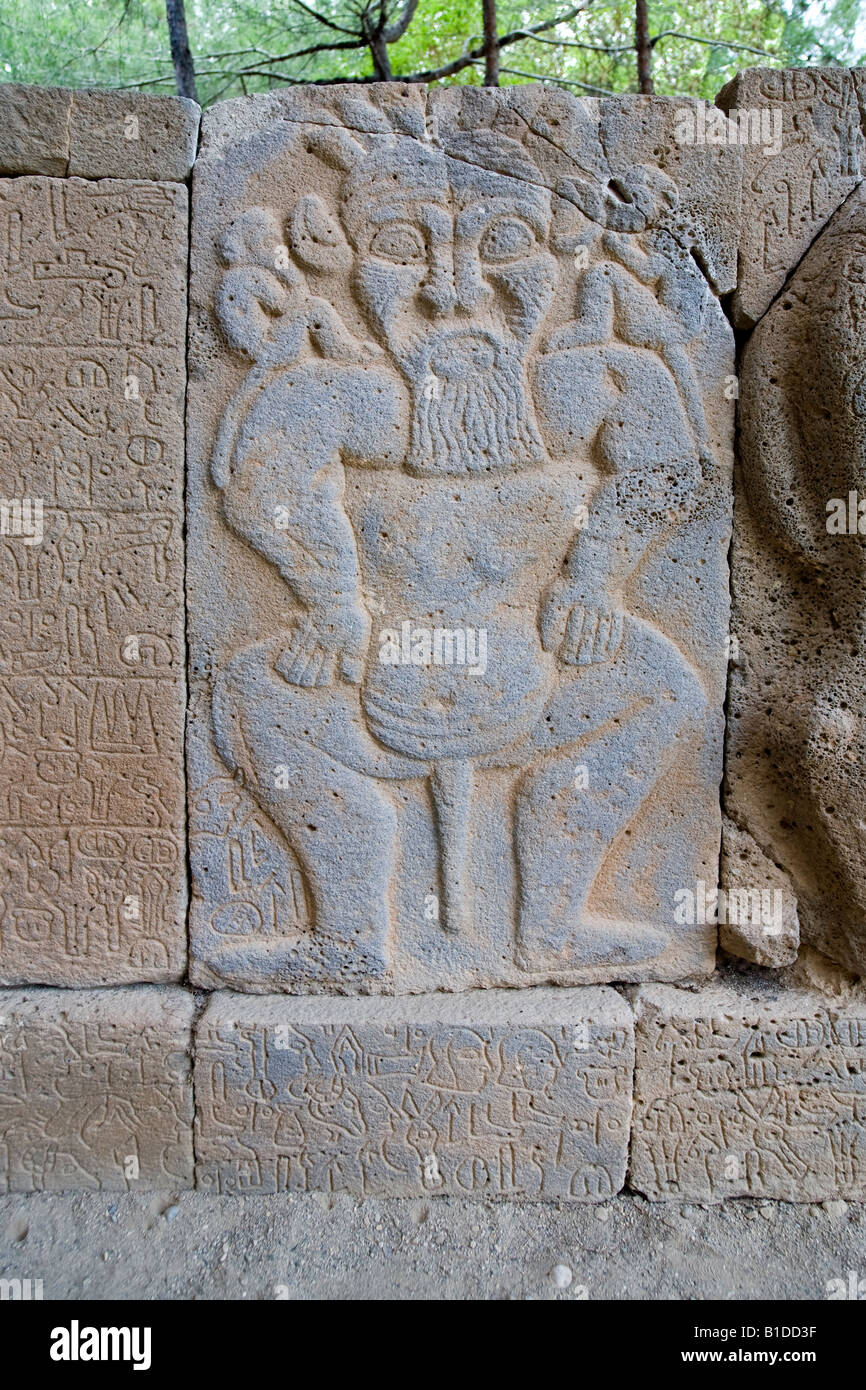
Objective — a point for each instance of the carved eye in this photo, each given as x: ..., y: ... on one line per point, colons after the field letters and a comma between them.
x: 399, y: 241
x: 505, y: 239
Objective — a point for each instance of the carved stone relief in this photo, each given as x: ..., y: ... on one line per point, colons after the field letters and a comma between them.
x: 459, y: 509
x: 795, y: 778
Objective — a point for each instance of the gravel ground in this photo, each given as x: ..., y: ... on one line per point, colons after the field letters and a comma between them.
x: 191, y: 1246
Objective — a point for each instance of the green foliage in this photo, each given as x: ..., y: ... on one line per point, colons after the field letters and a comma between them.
x: 124, y: 43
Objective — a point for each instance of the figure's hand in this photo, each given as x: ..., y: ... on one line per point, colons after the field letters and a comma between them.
x: 581, y: 633
x: 330, y: 646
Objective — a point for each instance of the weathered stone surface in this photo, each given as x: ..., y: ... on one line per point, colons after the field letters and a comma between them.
x: 125, y: 135
x: 34, y: 129
x: 95, y: 1089
x: 800, y: 132
x: 456, y: 374
x: 739, y: 1093
x: 796, y: 765
x: 490, y: 1093
x: 92, y: 326
x: 760, y: 921
x: 53, y: 130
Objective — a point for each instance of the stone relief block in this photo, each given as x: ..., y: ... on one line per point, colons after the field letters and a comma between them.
x: 95, y: 1089
x: 802, y: 144
x: 760, y: 921
x: 101, y: 134
x: 92, y: 378
x: 460, y: 454
x: 796, y: 765
x: 745, y: 1094
x: 493, y: 1093
x: 34, y: 129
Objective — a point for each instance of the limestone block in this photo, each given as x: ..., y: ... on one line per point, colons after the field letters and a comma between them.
x: 493, y: 1093
x: 759, y: 922
x: 796, y: 765
x: 460, y: 454
x: 744, y: 1091
x: 92, y: 328
x: 34, y: 129
x: 127, y: 135
x: 95, y: 1089
x: 99, y: 134
x: 800, y: 132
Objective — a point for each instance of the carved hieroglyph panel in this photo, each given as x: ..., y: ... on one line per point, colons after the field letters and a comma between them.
x: 95, y: 1089
x: 740, y: 1094
x: 796, y: 766
x: 494, y: 1094
x: 800, y: 132
x: 92, y: 378
x: 461, y: 404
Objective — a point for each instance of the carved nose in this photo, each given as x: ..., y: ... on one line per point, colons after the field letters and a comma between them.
x: 455, y: 285
x: 439, y: 291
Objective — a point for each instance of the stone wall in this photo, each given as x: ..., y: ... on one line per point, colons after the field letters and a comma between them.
x: 422, y: 527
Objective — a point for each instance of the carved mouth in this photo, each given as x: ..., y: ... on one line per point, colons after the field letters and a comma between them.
x: 462, y: 356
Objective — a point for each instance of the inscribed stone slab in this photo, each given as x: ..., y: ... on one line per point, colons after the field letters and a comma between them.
x: 802, y: 142
x: 491, y: 1093
x: 92, y: 378
x: 95, y: 1089
x: 745, y: 1094
x: 796, y: 764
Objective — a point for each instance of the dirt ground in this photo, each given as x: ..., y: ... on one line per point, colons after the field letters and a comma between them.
x: 192, y: 1246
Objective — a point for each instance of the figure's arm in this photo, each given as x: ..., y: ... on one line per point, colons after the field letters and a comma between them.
x: 582, y: 613
x: 284, y: 494
x: 647, y: 267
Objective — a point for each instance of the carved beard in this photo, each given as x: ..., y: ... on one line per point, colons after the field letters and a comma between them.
x: 471, y: 407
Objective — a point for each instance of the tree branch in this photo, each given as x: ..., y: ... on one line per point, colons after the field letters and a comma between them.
x: 467, y: 59
x: 395, y: 31
x: 261, y: 68
x: 328, y: 23
x: 712, y: 43
x: 644, y: 47
x: 561, y: 81
x: 574, y: 43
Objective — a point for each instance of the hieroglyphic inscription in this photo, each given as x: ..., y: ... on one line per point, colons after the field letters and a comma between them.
x: 738, y: 1095
x: 92, y: 378
x: 95, y: 1089
x: 802, y: 154
x: 490, y: 1094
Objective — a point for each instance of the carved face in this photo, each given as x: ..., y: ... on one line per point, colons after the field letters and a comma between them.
x: 453, y: 269
x: 462, y: 1064
x: 530, y: 1061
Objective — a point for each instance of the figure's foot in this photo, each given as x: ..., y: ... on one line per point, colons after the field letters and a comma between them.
x: 594, y: 943
x: 293, y: 964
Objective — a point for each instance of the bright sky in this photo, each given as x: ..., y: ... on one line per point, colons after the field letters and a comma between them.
x: 818, y: 10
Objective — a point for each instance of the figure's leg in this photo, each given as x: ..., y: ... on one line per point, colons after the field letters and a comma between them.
x: 341, y: 827
x: 607, y: 736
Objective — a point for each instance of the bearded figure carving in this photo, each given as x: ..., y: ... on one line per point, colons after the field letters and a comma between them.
x: 471, y: 425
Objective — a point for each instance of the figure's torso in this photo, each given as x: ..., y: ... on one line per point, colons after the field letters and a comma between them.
x: 470, y: 556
